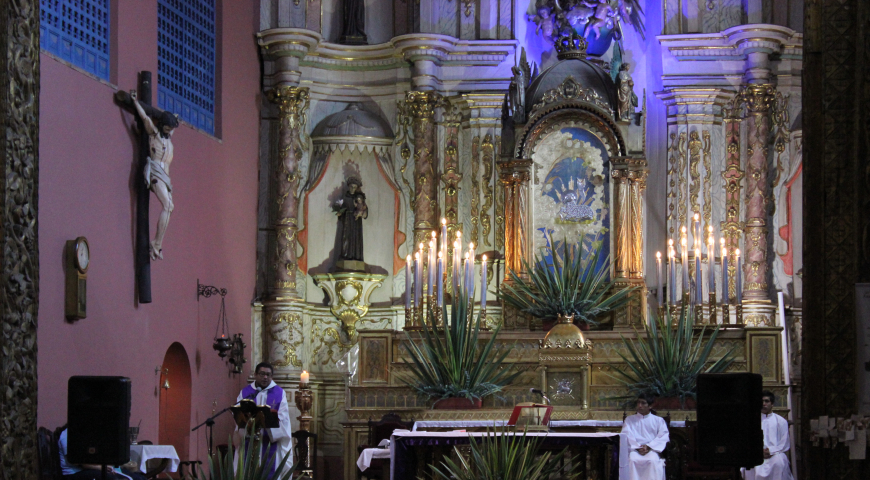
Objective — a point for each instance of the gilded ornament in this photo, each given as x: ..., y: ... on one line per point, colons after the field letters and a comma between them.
x: 571, y: 90
x: 488, y: 156
x: 287, y: 324
x: 475, y: 190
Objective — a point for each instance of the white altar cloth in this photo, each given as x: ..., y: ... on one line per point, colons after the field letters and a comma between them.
x: 142, y: 453
x: 424, y: 424
x: 365, y: 458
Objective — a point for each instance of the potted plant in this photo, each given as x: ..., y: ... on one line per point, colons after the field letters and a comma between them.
x: 566, y: 288
x: 666, y: 361
x: 449, y: 365
x: 502, y: 455
x: 250, y: 465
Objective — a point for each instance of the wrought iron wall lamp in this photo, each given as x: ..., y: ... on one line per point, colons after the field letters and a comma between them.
x: 223, y: 345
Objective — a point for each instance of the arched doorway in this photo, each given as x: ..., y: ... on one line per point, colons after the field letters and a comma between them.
x: 175, y: 400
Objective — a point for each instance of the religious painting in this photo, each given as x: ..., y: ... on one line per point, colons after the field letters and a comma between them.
x: 374, y: 362
x: 764, y: 355
x: 571, y: 192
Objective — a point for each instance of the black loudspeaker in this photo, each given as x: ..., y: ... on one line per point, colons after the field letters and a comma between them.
x: 98, y: 419
x: 729, y: 419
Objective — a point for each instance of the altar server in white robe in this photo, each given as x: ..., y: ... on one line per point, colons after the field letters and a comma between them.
x: 776, y: 443
x: 647, y: 436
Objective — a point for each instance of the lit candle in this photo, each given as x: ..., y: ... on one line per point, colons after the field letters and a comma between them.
x: 672, y: 272
x: 739, y: 277
x: 697, y: 232
x: 469, y: 268
x: 724, y: 274
x: 684, y: 251
x: 303, y: 379
x: 711, y: 262
x: 444, y: 236
x: 431, y: 290
x: 418, y: 274
x: 659, y: 293
x: 471, y: 252
x: 457, y: 247
x: 408, y: 282
x: 440, y: 275
x: 699, y: 281
x: 483, y: 282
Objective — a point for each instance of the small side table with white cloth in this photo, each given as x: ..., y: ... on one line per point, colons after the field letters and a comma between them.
x: 142, y: 453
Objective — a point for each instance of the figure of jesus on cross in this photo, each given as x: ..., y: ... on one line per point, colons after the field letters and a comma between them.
x: 160, y: 154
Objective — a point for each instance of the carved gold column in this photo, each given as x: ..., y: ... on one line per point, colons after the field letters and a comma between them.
x: 629, y: 178
x: 422, y: 106
x: 733, y: 177
x: 514, y: 177
x: 292, y: 104
x: 758, y: 99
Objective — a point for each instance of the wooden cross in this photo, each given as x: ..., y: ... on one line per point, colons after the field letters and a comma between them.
x: 143, y: 194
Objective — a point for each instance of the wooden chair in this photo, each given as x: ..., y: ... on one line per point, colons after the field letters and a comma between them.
x: 305, y: 442
x: 48, y: 454
x: 380, y: 430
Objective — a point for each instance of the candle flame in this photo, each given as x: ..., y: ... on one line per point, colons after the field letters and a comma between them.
x: 722, y: 241
x: 737, y: 252
x: 433, y: 234
x: 683, y: 242
x: 724, y: 252
x: 459, y: 234
x: 443, y: 221
x: 670, y: 242
x: 658, y: 255
x: 711, y: 240
x: 698, y: 252
x: 697, y: 217
x: 417, y: 256
x: 683, y: 229
x: 484, y: 258
x: 440, y: 254
x: 471, y: 246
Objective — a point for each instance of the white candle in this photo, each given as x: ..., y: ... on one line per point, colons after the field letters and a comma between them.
x: 684, y: 248
x: 431, y: 290
x: 699, y: 281
x: 444, y: 236
x: 739, y: 277
x: 711, y: 263
x: 724, y: 274
x: 697, y: 232
x: 440, y: 283
x: 418, y: 286
x: 672, y: 272
x: 659, y: 293
x: 483, y: 282
x: 408, y: 282
x: 469, y: 267
x: 303, y: 378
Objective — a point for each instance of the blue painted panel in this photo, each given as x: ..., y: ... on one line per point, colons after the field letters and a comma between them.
x: 186, y: 60
x: 77, y: 31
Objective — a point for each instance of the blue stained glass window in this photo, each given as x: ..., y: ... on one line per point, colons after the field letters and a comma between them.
x: 186, y: 60
x: 77, y: 31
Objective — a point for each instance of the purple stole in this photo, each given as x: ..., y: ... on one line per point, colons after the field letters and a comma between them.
x: 274, y: 396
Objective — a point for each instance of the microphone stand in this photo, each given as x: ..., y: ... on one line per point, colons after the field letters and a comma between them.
x: 209, y: 423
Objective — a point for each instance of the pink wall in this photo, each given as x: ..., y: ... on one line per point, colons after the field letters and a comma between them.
x: 86, y: 155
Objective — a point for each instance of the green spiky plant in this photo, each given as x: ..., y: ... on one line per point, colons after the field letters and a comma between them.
x: 250, y: 466
x: 499, y: 455
x: 666, y: 361
x: 570, y: 286
x: 449, y: 362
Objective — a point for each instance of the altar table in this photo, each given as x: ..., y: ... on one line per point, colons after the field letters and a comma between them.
x: 142, y: 453
x: 403, y: 465
x: 368, y: 454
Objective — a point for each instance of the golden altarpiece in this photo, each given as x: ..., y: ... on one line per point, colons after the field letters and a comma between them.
x: 548, y: 156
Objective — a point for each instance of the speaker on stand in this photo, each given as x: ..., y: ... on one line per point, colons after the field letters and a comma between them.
x: 98, y: 419
x: 729, y: 419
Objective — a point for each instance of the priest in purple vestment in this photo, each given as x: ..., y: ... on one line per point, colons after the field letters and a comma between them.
x: 277, y: 442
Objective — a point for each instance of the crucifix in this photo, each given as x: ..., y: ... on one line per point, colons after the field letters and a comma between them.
x: 155, y: 128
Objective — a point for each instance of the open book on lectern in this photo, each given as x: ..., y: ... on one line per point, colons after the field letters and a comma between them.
x: 249, y: 407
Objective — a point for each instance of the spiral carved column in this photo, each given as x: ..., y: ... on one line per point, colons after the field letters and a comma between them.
x: 629, y: 179
x: 422, y: 106
x: 292, y: 104
x: 758, y: 100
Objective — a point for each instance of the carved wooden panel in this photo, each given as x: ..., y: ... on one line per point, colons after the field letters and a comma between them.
x: 375, y: 359
x: 19, y: 282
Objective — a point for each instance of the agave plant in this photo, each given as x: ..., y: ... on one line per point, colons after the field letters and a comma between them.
x: 570, y: 286
x: 250, y: 466
x: 666, y: 362
x: 449, y: 362
x: 501, y: 455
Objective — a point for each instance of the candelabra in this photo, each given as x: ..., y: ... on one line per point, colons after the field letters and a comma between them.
x: 303, y: 403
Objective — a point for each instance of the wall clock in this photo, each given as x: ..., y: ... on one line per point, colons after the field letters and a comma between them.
x: 78, y: 255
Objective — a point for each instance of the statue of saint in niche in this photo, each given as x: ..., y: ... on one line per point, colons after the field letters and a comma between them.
x: 353, y: 23
x: 351, y: 209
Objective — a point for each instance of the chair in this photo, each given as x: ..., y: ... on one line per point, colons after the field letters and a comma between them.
x: 305, y: 452
x: 48, y: 454
x: 380, y: 430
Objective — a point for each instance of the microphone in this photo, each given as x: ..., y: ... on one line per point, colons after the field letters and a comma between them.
x: 542, y: 394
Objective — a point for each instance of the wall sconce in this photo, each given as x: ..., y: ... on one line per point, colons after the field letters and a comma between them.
x: 164, y: 373
x: 221, y: 335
